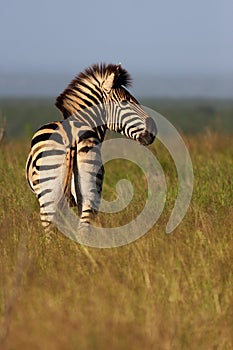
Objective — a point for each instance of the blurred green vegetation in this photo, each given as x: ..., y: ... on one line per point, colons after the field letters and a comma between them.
x: 25, y: 115
x: 195, y: 115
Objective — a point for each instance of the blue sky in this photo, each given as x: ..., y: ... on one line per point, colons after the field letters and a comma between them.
x: 169, y: 36
x: 152, y: 37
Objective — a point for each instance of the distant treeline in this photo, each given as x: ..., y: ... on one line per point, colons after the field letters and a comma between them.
x: 195, y: 115
x: 25, y: 115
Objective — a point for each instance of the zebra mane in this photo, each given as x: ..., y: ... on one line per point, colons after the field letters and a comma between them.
x: 102, y: 71
x: 70, y: 100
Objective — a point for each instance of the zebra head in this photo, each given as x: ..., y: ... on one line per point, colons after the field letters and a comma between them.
x: 124, y: 113
x: 105, y: 86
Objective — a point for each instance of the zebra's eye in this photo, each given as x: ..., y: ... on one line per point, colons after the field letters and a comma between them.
x: 124, y: 102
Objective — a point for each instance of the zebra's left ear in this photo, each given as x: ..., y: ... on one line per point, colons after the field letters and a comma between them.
x: 108, y: 83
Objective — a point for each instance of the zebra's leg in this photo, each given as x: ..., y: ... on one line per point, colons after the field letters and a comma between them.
x: 47, y: 187
x: 50, y: 190
x: 90, y: 178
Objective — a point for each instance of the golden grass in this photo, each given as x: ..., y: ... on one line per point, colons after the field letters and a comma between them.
x: 160, y: 292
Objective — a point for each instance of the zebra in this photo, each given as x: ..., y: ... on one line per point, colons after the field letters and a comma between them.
x: 65, y: 157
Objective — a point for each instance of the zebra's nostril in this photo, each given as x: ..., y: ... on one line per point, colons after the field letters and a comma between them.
x: 151, y: 127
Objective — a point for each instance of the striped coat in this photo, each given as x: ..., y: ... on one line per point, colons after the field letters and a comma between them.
x: 65, y: 158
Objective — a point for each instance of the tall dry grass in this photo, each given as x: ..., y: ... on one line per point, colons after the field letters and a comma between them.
x: 160, y: 292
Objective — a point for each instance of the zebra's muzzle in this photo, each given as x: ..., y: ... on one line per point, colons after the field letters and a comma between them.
x: 146, y: 138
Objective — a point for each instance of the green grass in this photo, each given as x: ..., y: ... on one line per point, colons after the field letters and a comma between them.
x: 160, y: 292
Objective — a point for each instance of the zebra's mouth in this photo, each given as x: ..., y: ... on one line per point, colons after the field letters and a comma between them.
x: 146, y: 138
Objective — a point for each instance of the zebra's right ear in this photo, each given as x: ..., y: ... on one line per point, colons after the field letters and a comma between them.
x: 108, y: 83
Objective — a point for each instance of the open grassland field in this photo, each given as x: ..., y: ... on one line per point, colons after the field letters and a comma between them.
x: 161, y: 292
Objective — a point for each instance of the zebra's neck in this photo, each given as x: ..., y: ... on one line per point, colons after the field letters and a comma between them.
x: 90, y: 120
x: 79, y: 95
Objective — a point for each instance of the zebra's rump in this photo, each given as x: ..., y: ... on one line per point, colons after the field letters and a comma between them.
x: 50, y: 163
x: 62, y: 169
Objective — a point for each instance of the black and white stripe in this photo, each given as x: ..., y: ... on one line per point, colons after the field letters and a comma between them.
x: 65, y: 159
